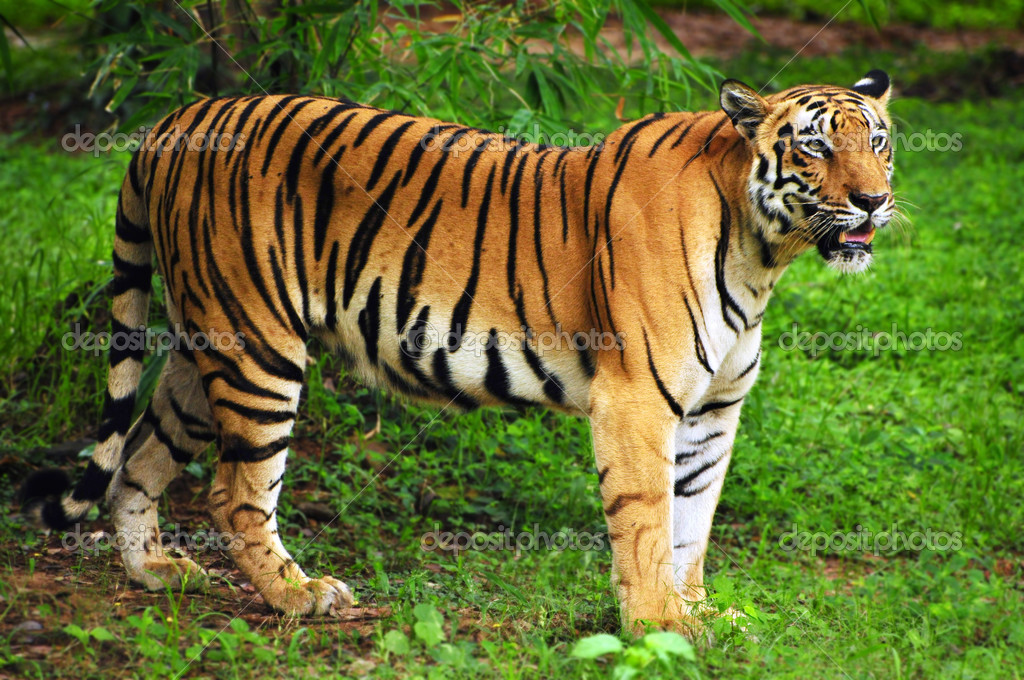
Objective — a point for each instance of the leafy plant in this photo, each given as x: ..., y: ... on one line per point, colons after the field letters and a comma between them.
x: 517, y: 64
x: 662, y: 649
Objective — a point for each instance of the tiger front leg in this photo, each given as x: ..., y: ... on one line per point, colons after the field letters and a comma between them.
x: 634, y: 436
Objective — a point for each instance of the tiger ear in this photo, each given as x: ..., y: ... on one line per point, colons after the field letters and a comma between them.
x: 745, y: 107
x: 875, y: 85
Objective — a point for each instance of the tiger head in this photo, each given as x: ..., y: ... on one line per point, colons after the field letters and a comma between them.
x: 822, y: 165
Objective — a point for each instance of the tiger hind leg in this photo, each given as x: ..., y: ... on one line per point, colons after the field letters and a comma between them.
x: 174, y: 429
x: 254, y: 416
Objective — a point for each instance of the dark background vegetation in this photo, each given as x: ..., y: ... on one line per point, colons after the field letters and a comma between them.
x: 837, y: 442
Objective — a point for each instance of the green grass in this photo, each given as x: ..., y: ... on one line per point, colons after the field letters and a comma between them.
x: 842, y: 441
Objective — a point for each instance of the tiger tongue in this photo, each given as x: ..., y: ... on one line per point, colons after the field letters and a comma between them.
x: 862, y: 235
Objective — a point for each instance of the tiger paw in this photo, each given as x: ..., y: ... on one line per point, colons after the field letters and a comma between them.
x: 311, y: 597
x: 161, y: 572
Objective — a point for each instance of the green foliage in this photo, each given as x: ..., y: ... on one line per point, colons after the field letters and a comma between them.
x: 505, y: 64
x: 655, y: 655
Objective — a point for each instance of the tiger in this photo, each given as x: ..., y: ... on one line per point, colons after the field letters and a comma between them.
x: 438, y: 260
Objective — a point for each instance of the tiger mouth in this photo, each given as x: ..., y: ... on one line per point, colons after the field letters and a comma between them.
x: 848, y: 242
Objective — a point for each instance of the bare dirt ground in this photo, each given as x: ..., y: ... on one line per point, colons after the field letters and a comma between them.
x: 706, y: 34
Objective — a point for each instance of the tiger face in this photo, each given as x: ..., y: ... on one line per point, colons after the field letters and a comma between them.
x: 822, y: 167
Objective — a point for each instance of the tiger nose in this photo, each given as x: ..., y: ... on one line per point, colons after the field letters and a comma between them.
x: 868, y: 202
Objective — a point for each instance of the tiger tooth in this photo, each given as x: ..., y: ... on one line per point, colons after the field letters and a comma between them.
x: 870, y: 236
x: 842, y: 237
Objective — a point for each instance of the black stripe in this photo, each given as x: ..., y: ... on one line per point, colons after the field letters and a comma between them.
x: 298, y: 223
x: 369, y: 320
x: 551, y: 384
x: 299, y: 158
x: 706, y: 438
x: 126, y: 343
x: 133, y: 174
x: 93, y: 483
x: 698, y: 344
x: 362, y: 240
x: 496, y: 380
x: 397, y: 382
x: 235, y: 379
x: 178, y: 455
x: 608, y: 216
x: 707, y: 141
x: 235, y: 449
x: 443, y: 375
x: 117, y: 416
x: 126, y: 230
x: 322, y: 215
x: 467, y: 172
x: 538, y: 185
x: 712, y: 406
x: 669, y: 399
x: 682, y: 485
x: 426, y: 141
x: 277, y: 272
x: 412, y: 349
x: 588, y: 182
x: 751, y: 367
x: 132, y: 484
x: 194, y: 427
x: 607, y: 305
x: 413, y: 264
x: 627, y: 141
x: 259, y: 350
x: 279, y: 108
x: 686, y: 130
x: 331, y: 138
x: 514, y: 201
x: 506, y: 169
x: 460, y: 316
x: 429, y: 190
x: 128, y: 275
x: 249, y: 507
x: 663, y: 138
x: 564, y: 204
x: 331, y: 284
x: 384, y: 155
x: 275, y: 139
x: 258, y: 415
x: 252, y: 267
x: 370, y: 126
x: 721, y: 252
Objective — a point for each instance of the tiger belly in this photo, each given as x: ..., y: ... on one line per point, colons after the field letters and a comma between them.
x: 483, y: 365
